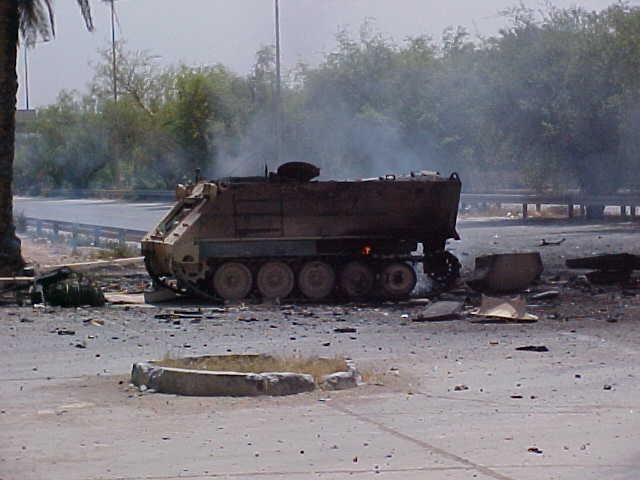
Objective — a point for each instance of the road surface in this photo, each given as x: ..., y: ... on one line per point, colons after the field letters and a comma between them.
x: 479, y: 236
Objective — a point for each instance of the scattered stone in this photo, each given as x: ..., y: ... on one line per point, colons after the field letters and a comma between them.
x: 345, y: 330
x: 607, y: 387
x: 535, y: 450
x: 533, y: 348
x: 63, y: 331
x: 460, y: 388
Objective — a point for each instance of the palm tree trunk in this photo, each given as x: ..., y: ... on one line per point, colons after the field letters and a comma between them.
x: 10, y: 258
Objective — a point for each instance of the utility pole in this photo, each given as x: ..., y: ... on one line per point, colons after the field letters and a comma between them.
x: 113, y: 51
x: 26, y: 75
x: 278, y: 98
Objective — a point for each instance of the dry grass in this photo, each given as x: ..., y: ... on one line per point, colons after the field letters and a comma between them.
x: 115, y: 250
x: 315, y: 366
x: 372, y: 377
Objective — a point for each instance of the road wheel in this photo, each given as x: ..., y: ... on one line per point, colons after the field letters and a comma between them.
x: 232, y: 281
x: 275, y: 280
x: 398, y: 280
x: 357, y: 279
x: 316, y: 280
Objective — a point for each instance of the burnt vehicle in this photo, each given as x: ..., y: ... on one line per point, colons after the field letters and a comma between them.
x: 286, y: 236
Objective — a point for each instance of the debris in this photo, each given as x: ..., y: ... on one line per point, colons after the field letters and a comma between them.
x: 533, y: 348
x: 160, y: 295
x: 345, y: 330
x: 49, y: 278
x: 125, y: 298
x: 174, y: 316
x: 507, y: 272
x: 535, y: 450
x: 548, y: 243
x: 546, y: 295
x: 86, y: 266
x: 74, y: 293
x: 63, y: 331
x: 607, y: 387
x: 611, y: 268
x: 439, y: 311
x: 505, y: 309
x: 611, y: 262
x: 460, y: 388
x: 604, y: 277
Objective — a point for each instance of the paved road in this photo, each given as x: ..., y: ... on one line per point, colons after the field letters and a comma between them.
x: 64, y: 415
x: 107, y: 213
x: 478, y: 236
x: 67, y: 413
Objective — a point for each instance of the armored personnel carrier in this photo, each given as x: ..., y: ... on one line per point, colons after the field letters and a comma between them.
x: 286, y: 236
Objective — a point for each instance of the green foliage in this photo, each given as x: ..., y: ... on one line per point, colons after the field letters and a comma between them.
x: 552, y: 101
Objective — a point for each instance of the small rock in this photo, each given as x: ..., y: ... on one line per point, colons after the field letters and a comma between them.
x: 533, y: 348
x: 535, y: 450
x: 607, y: 387
x: 460, y: 388
x: 345, y: 330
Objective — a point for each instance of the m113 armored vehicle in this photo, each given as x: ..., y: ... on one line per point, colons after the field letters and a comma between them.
x: 285, y: 236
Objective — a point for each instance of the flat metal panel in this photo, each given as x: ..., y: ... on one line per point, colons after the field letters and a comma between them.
x: 262, y: 248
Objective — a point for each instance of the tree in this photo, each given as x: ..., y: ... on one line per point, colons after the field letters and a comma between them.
x: 33, y: 18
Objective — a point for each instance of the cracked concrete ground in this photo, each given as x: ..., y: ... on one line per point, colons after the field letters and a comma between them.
x: 572, y: 413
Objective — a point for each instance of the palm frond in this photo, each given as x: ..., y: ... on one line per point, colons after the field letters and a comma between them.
x: 36, y: 18
x: 85, y: 9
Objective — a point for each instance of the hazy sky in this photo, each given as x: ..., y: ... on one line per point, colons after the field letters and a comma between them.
x: 230, y: 31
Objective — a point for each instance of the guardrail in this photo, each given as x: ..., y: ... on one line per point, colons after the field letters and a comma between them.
x: 96, y: 232
x: 626, y: 202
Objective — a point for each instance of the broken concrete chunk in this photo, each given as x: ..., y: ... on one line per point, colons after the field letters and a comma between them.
x: 439, y: 311
x: 340, y: 380
x: 507, y: 272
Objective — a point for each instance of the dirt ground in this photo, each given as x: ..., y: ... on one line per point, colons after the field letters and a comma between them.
x: 445, y: 400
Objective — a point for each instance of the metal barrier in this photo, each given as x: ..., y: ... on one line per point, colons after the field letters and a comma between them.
x: 626, y: 202
x: 94, y: 231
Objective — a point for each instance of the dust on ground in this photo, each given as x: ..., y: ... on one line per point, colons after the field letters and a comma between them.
x: 453, y: 399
